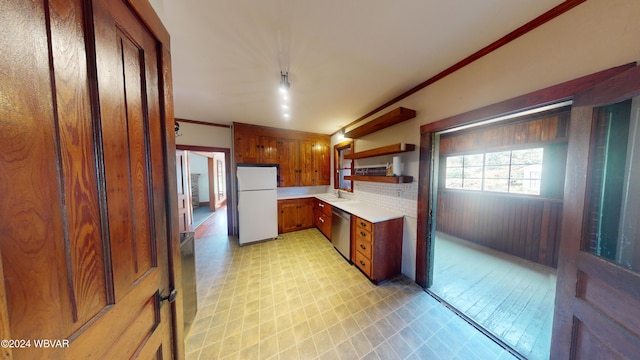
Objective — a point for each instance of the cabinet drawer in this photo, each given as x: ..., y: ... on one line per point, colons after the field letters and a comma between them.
x: 363, y: 263
x: 363, y: 247
x: 323, y: 207
x: 363, y: 224
x: 365, y: 235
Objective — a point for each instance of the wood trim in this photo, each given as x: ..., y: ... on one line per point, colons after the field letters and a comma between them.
x: 201, y: 148
x: 213, y: 197
x: 391, y: 118
x: 336, y: 154
x: 196, y: 122
x: 522, y: 30
x: 549, y: 95
x: 424, y: 243
x: 5, y: 352
x: 149, y: 17
x: 604, y: 93
x: 384, y: 150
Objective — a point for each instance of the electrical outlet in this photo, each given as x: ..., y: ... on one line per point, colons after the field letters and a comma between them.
x: 398, y: 193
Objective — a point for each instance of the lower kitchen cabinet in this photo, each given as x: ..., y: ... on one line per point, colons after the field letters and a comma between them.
x: 376, y: 248
x: 295, y: 214
x: 322, y: 217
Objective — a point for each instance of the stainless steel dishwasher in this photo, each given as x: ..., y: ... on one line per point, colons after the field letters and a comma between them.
x: 341, y: 232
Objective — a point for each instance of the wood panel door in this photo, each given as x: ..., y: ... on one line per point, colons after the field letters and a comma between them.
x: 185, y: 212
x: 597, y: 313
x: 306, y: 163
x: 288, y: 158
x: 87, y: 208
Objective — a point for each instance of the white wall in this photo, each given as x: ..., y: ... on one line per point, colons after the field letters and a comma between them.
x: 199, y: 164
x: 596, y: 35
x: 205, y: 135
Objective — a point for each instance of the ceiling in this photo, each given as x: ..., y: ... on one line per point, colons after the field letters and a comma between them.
x: 344, y: 58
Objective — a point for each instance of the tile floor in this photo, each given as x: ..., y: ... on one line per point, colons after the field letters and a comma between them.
x: 297, y: 298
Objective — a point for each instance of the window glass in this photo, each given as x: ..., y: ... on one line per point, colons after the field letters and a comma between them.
x: 514, y: 171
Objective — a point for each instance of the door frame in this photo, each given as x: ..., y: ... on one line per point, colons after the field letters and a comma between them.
x: 227, y: 175
x: 426, y: 193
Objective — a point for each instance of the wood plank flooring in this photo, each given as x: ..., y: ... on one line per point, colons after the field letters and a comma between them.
x: 508, y: 296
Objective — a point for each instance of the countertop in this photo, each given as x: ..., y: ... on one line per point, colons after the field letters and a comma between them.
x: 367, y: 211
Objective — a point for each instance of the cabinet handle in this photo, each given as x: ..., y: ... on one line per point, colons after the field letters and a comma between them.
x: 321, y: 219
x: 363, y: 224
x: 361, y: 262
x: 363, y: 247
x: 363, y: 233
x: 321, y: 205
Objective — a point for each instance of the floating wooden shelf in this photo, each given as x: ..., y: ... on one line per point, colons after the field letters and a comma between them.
x: 391, y: 118
x: 384, y: 150
x: 382, y: 179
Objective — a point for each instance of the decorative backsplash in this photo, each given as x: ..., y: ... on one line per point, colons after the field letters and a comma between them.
x: 398, y: 197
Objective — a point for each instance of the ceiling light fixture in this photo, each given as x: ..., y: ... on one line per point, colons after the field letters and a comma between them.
x: 284, y: 91
x: 284, y: 82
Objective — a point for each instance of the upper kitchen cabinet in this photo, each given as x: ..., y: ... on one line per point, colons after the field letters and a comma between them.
x: 303, y: 158
x: 288, y: 158
x: 255, y: 149
x: 304, y: 162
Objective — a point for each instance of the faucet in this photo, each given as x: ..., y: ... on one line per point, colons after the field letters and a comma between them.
x: 337, y: 193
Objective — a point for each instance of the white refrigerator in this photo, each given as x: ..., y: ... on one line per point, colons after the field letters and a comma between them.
x: 257, y: 203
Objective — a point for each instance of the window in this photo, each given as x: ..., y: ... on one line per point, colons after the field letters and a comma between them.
x: 513, y: 171
x: 343, y: 167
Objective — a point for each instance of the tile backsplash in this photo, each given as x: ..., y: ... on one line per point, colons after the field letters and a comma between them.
x: 398, y: 197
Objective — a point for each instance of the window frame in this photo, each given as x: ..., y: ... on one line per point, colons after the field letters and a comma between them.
x: 337, y: 149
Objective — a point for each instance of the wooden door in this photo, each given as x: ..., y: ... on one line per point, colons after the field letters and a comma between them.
x: 185, y: 210
x: 86, y: 211
x: 597, y: 314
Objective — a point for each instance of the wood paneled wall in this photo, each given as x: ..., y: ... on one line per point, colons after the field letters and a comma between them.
x: 548, y: 128
x: 520, y: 226
x: 523, y: 226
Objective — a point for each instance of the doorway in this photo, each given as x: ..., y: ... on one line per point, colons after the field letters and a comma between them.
x: 208, y: 185
x: 499, y: 188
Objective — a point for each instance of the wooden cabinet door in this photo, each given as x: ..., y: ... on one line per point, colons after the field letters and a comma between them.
x: 305, y: 213
x: 598, y: 291
x: 306, y: 165
x: 88, y: 210
x: 322, y: 163
x: 268, y: 150
x: 287, y: 216
x: 288, y: 158
x: 247, y: 147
